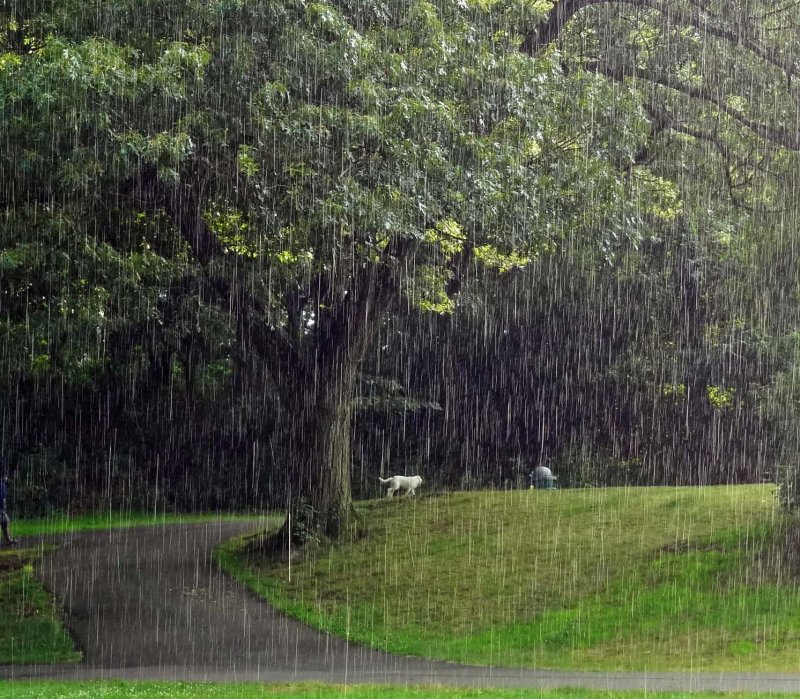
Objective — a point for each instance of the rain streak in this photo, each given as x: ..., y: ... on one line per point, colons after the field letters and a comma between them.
x: 407, y: 347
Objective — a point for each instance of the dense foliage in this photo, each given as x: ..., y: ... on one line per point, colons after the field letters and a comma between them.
x: 215, y: 212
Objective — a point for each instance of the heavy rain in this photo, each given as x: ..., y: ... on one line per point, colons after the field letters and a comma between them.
x: 399, y: 348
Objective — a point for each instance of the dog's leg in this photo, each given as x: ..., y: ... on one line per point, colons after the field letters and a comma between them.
x: 389, y: 492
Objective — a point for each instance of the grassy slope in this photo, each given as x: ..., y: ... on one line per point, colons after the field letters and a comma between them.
x: 30, y: 626
x: 182, y: 690
x: 644, y: 578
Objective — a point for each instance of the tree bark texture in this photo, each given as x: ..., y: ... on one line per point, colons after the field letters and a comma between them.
x: 320, y: 501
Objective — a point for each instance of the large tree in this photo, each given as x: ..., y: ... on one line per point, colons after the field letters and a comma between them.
x: 297, y: 170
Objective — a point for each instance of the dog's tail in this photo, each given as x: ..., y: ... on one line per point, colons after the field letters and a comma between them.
x: 384, y: 480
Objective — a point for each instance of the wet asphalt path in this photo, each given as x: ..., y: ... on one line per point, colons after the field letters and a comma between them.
x: 149, y: 603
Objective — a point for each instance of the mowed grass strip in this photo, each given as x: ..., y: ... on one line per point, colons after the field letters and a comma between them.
x: 30, y: 620
x: 200, y: 690
x: 602, y: 579
x: 60, y: 523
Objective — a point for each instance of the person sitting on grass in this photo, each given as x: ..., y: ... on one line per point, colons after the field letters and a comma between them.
x: 4, y: 518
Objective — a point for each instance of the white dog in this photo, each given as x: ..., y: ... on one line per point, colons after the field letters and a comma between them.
x: 408, y: 484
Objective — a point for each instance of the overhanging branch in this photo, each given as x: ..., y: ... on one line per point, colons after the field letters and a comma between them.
x: 727, y: 156
x: 781, y: 137
x: 550, y: 29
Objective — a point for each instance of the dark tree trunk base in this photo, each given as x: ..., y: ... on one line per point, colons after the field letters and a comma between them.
x: 305, y: 537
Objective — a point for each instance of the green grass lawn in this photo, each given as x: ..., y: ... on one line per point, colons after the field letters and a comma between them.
x: 30, y: 621
x: 197, y: 690
x: 62, y: 523
x: 607, y: 579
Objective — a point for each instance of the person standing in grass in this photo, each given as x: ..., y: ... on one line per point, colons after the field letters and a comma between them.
x: 4, y: 518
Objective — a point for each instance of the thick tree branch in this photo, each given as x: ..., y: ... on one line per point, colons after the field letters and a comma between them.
x: 720, y: 146
x: 459, y: 267
x: 737, y: 37
x: 549, y: 30
x: 726, y: 154
x: 643, y: 156
x: 184, y: 204
x: 351, y: 324
x: 322, y: 289
x: 287, y: 365
x: 295, y: 301
x: 782, y: 137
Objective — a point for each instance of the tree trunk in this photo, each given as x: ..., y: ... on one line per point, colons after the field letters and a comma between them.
x: 322, y: 500
x: 320, y: 503
x: 319, y: 497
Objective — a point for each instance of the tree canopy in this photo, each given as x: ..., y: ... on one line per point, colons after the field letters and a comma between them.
x: 240, y: 192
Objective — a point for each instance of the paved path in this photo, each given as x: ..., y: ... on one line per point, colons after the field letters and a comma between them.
x: 149, y: 603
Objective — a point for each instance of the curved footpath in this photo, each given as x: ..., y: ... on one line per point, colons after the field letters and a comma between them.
x: 150, y: 603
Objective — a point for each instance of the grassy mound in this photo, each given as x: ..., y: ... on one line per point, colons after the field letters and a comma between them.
x: 612, y: 579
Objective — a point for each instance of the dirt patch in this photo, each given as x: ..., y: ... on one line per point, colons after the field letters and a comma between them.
x: 14, y: 559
